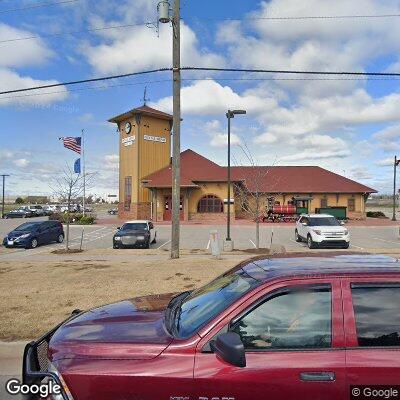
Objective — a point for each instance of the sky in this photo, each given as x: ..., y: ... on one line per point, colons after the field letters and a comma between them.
x: 349, y: 125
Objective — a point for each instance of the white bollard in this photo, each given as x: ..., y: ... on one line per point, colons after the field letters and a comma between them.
x: 214, y: 244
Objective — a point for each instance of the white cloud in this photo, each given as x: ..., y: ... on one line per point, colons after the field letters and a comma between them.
x: 211, y: 98
x: 25, y: 52
x: 385, y: 162
x: 317, y: 147
x: 11, y: 80
x: 389, y: 138
x: 139, y: 48
x: 218, y: 136
x: 111, y: 161
x: 21, y: 162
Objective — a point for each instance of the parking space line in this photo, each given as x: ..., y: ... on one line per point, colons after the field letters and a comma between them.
x: 169, y: 241
x: 208, y: 244
x: 387, y: 241
x: 298, y: 243
x: 253, y: 243
x: 357, y: 247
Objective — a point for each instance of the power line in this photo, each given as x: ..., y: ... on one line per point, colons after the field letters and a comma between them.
x: 209, y: 69
x: 296, y: 72
x: 278, y: 18
x: 195, y: 79
x: 75, y: 32
x: 123, y: 26
x: 105, y: 78
x: 41, y: 5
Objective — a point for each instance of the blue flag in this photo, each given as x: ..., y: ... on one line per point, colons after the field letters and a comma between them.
x: 77, y: 166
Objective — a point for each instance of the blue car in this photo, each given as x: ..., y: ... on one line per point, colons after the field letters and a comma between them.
x: 32, y: 234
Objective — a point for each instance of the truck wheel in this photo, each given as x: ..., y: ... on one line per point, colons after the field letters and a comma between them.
x: 32, y: 244
x: 310, y: 242
x: 297, y: 237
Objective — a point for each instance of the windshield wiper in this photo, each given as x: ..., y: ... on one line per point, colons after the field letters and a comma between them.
x: 172, y: 309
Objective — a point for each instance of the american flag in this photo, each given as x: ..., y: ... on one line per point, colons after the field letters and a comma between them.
x: 72, y: 143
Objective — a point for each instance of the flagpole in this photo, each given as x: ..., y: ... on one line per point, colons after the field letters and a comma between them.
x: 83, y: 169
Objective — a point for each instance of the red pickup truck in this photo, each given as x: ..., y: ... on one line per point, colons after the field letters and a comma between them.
x: 289, y: 327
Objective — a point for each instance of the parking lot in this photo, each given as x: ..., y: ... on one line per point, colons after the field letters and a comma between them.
x: 196, y: 237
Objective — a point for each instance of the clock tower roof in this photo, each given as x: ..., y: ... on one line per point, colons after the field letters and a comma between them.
x: 145, y: 110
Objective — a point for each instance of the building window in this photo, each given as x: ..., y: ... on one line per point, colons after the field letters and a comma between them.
x: 210, y: 204
x: 128, y: 193
x: 351, y: 204
x: 324, y: 202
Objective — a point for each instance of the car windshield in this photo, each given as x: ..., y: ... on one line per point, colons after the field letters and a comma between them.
x: 204, y: 304
x: 140, y: 226
x: 325, y: 221
x: 28, y: 226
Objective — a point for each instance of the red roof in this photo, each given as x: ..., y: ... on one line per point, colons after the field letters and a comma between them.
x: 276, y: 179
x: 141, y: 110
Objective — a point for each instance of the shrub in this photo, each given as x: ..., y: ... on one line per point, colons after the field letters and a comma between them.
x: 376, y: 214
x: 74, y: 218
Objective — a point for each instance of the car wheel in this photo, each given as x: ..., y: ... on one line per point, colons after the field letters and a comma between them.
x: 155, y: 239
x: 115, y: 246
x: 147, y: 244
x: 33, y: 244
x: 60, y: 238
x: 310, y: 242
x: 346, y: 246
x: 297, y: 237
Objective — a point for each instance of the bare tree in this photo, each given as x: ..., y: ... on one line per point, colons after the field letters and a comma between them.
x: 250, y: 191
x: 69, y: 187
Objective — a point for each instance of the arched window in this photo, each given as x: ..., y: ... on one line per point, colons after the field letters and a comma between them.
x: 210, y: 204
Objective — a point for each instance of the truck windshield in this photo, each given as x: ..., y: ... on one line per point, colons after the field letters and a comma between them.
x: 328, y: 221
x: 204, y: 304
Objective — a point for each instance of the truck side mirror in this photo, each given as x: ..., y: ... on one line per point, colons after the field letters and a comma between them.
x: 230, y: 348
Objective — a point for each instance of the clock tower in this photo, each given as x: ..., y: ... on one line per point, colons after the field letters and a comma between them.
x: 144, y: 147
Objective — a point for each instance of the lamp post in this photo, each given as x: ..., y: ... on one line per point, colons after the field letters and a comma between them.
x: 396, y: 163
x: 230, y: 114
x: 4, y: 189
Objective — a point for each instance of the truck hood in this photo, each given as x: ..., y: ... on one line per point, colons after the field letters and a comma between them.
x: 129, y: 329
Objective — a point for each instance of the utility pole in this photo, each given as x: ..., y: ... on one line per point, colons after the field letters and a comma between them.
x: 163, y: 9
x: 176, y: 137
x: 4, y: 190
x: 396, y: 163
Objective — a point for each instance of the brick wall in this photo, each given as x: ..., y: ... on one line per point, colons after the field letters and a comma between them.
x: 137, y: 211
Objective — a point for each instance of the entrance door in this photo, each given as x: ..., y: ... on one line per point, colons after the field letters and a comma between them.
x: 168, y: 209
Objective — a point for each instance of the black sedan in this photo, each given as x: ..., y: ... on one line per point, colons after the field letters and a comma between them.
x: 22, y: 212
x: 135, y: 234
x: 32, y: 234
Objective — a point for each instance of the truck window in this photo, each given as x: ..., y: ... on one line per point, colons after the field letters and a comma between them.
x: 377, y: 313
x: 295, y: 318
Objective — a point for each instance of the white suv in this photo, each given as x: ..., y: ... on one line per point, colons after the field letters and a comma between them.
x: 321, y: 230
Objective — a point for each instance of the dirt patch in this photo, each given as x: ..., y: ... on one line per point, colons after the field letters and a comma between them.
x: 65, y: 251
x: 259, y: 251
x: 35, y: 296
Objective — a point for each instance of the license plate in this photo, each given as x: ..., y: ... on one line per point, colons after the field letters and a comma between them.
x: 10, y: 242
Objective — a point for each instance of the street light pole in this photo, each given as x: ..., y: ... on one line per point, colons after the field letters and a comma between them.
x: 230, y: 114
x: 396, y: 163
x: 4, y: 190
x: 228, y: 222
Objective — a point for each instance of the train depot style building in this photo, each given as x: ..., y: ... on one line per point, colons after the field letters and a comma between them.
x: 145, y: 179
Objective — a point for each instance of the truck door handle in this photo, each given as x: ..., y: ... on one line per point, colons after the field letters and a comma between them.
x: 317, y: 376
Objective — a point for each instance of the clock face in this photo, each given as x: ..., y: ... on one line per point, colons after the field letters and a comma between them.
x: 128, y: 127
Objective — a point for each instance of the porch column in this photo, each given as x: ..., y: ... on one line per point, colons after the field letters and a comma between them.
x: 186, y: 204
